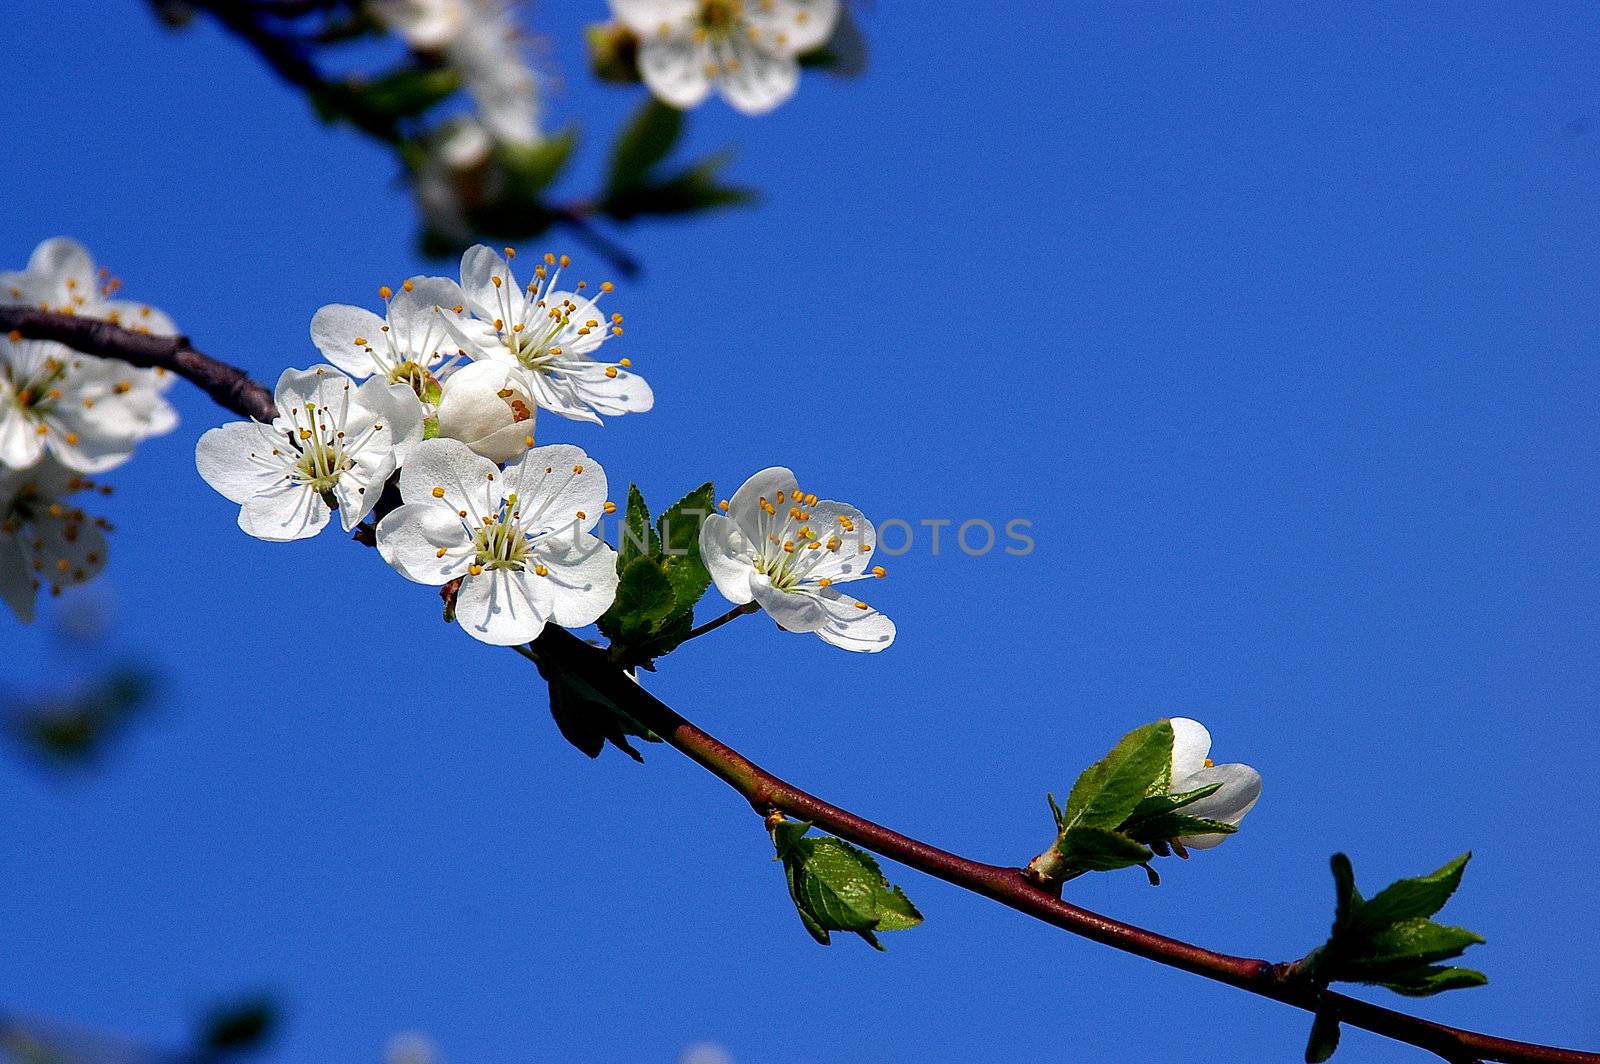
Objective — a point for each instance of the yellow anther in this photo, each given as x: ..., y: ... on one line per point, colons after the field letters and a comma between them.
x: 616, y: 330
x: 407, y: 285
x: 55, y: 509
x: 616, y: 319
x: 778, y: 498
x: 361, y: 341
x: 879, y: 571
x: 577, y: 469
x: 541, y: 570
x: 458, y: 308
x: 499, y: 323
x: 611, y: 371
x: 385, y: 293
x: 825, y: 582
x: 43, y: 430
x: 122, y: 387
x: 505, y: 393
x: 438, y: 493
x: 1210, y: 763
x: 527, y: 441
x: 475, y: 569
x: 833, y: 544
x: 461, y: 513
x: 565, y: 262
x: 549, y: 259
x: 625, y: 362
x: 72, y: 437
x: 511, y: 253
x: 592, y: 323
x: 441, y: 552
x: 607, y: 286
x: 63, y: 565
x: 497, y: 281
x: 862, y: 606
x: 609, y: 507
x: 723, y: 505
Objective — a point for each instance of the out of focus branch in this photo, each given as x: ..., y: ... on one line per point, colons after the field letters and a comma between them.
x: 560, y: 649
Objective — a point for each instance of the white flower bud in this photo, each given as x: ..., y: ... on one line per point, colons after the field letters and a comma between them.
x: 485, y: 407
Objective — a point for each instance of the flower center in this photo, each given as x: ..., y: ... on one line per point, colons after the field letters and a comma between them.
x: 416, y: 377
x: 325, y: 451
x: 501, y: 542
x: 34, y: 392
x: 720, y: 16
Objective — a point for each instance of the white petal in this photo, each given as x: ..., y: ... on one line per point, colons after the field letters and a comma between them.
x: 1190, y: 745
x: 499, y: 606
x: 397, y: 409
x: 754, y: 80
x: 552, y: 492
x: 675, y: 68
x: 582, y: 579
x: 800, y: 610
x: 336, y: 328
x: 850, y: 627
x: 61, y: 259
x: 849, y: 562
x: 647, y: 16
x: 480, y: 265
x: 1241, y: 789
x: 745, y: 506
x: 411, y: 536
x: 727, y: 554
x: 224, y: 458
x: 414, y: 315
x: 20, y: 443
x: 283, y: 514
x: 359, y: 487
x: 297, y: 387
x: 472, y: 410
x: 626, y: 393
x: 794, y: 26
x: 139, y: 317
x: 466, y: 479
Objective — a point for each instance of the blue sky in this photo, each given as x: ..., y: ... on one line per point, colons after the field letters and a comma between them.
x: 1278, y: 323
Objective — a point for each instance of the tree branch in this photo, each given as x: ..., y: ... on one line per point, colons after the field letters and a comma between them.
x: 766, y: 793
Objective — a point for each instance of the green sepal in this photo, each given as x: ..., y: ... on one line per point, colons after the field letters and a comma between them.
x: 839, y: 887
x: 430, y: 428
x: 1175, y: 826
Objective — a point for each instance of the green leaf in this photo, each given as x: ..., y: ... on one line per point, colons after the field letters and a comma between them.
x: 1427, y: 981
x: 1108, y: 792
x: 638, y: 538
x: 647, y: 139
x: 407, y: 91
x: 1096, y: 849
x: 1324, y: 1036
x: 698, y: 188
x: 1407, y: 898
x: 530, y: 168
x: 644, y: 600
x: 1418, y: 940
x: 838, y: 887
x: 679, y: 540
x: 1176, y: 825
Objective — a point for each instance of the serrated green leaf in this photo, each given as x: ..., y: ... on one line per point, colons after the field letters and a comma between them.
x: 1176, y: 825
x: 647, y: 139
x: 638, y: 537
x: 1108, y: 791
x: 1418, y: 940
x: 1324, y: 1036
x: 838, y: 887
x: 1095, y: 849
x: 1408, y: 898
x: 644, y: 600
x: 1427, y: 981
x: 679, y: 537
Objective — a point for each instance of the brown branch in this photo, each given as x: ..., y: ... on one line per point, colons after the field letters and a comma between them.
x: 766, y: 792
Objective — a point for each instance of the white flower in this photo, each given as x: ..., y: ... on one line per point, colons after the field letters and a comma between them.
x: 549, y: 336
x: 485, y: 408
x: 61, y: 277
x: 90, y: 413
x: 480, y: 40
x: 1192, y: 769
x: 332, y: 443
x: 746, y: 48
x: 520, y: 540
x: 409, y: 345
x: 43, y: 539
x: 787, y: 551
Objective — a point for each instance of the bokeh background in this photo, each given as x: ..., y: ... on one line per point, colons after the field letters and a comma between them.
x: 1277, y: 321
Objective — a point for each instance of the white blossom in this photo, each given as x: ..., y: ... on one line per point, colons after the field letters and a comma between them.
x: 1192, y: 769
x: 548, y: 335
x: 519, y: 539
x: 485, y: 408
x: 62, y: 278
x: 745, y: 48
x: 480, y: 39
x: 45, y: 541
x: 332, y: 444
x: 787, y: 551
x: 408, y: 345
x: 89, y: 413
